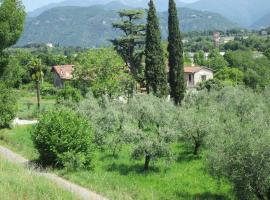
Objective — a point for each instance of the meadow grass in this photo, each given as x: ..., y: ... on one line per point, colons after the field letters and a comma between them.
x: 27, y: 104
x: 184, y: 177
x: 18, y: 183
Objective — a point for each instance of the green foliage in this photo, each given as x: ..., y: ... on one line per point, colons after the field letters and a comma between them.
x: 103, y: 72
x: 240, y: 151
x: 199, y: 58
x: 232, y: 75
x: 212, y: 84
x: 68, y: 94
x: 152, y: 130
x: 8, y: 106
x: 216, y: 61
x: 130, y: 46
x: 176, y: 58
x: 48, y: 89
x: 63, y: 139
x: 12, y: 21
x: 155, y: 73
x: 13, y: 73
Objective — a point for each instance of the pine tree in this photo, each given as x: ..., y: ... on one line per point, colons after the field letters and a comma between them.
x: 176, y: 58
x: 155, y: 71
x: 130, y: 46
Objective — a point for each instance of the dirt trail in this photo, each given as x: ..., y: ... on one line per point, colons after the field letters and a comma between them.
x: 79, y: 191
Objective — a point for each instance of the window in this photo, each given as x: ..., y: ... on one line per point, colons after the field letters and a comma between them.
x: 203, y: 77
x: 190, y: 77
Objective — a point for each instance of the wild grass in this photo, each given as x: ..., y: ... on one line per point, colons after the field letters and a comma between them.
x: 27, y: 104
x: 184, y: 177
x: 18, y: 183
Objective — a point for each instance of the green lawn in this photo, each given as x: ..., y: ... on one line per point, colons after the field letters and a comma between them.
x: 18, y: 183
x: 122, y: 178
x: 27, y: 104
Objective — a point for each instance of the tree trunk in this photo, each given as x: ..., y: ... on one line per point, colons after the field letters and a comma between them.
x: 38, y: 94
x: 196, y: 148
x: 146, y: 163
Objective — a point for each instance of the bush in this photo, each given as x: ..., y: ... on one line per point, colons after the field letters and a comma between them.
x: 68, y: 94
x: 48, y: 89
x: 8, y: 106
x: 64, y: 139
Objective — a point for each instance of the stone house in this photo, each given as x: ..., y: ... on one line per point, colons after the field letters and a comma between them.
x: 61, y: 74
x: 196, y: 74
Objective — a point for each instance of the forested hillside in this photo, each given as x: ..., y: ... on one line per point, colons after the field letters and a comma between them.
x: 92, y: 26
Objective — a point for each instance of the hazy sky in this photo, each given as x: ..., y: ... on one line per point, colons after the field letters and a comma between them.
x: 34, y: 4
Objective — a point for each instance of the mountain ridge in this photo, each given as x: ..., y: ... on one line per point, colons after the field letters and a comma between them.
x: 92, y: 26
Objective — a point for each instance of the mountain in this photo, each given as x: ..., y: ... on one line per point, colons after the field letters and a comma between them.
x: 162, y: 5
x: 263, y: 22
x: 243, y: 12
x: 92, y: 26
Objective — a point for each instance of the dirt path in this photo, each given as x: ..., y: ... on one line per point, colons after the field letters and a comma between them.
x: 79, y: 191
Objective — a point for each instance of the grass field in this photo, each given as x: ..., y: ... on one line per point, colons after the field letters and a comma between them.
x: 20, y: 184
x: 122, y: 178
x: 27, y: 104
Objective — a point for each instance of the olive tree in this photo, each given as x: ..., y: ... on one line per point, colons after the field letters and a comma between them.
x: 240, y: 151
x: 152, y: 129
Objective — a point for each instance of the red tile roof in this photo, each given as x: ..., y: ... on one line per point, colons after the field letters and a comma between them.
x: 194, y: 69
x: 64, y: 71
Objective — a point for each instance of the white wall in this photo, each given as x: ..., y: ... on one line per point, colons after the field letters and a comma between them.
x: 203, y: 72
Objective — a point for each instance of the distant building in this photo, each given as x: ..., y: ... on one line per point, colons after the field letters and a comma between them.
x: 225, y: 40
x: 216, y: 38
x: 196, y: 74
x: 50, y: 45
x: 264, y: 32
x: 61, y: 74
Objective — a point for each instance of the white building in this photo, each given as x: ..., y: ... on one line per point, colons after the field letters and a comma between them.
x: 196, y: 74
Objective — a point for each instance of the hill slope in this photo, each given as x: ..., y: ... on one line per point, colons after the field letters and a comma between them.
x: 91, y: 26
x: 244, y: 12
x: 161, y: 4
x: 263, y: 22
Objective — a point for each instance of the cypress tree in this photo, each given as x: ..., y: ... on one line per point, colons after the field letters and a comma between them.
x: 155, y: 71
x: 176, y: 58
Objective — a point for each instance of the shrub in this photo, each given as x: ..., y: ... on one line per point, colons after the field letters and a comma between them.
x: 8, y: 106
x: 48, y: 89
x: 68, y: 94
x: 64, y: 139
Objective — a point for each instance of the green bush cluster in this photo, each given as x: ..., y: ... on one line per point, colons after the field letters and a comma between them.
x: 8, y: 106
x: 68, y: 94
x: 63, y: 139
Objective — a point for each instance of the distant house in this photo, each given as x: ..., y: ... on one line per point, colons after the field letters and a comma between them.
x: 196, y: 74
x: 61, y: 74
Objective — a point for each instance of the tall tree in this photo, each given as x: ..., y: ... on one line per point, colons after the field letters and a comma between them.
x: 155, y: 70
x: 37, y: 76
x: 12, y: 17
x: 130, y: 45
x: 176, y: 57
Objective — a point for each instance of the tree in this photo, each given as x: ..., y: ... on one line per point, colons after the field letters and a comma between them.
x: 130, y: 46
x: 8, y: 106
x: 230, y: 75
x: 151, y: 129
x: 199, y: 58
x: 37, y: 75
x: 155, y: 72
x: 216, y: 61
x: 12, y: 17
x: 240, y: 151
x: 176, y: 59
x: 103, y: 72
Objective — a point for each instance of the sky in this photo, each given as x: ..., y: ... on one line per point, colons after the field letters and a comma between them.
x: 31, y: 5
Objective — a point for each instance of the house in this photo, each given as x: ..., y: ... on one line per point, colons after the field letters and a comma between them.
x: 61, y: 74
x: 196, y: 74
